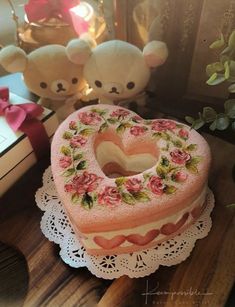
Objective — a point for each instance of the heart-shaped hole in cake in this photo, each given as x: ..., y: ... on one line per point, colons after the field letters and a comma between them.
x: 116, y: 161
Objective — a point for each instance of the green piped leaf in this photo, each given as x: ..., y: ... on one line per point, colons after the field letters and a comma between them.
x: 178, y: 143
x: 165, y: 162
x: 215, y: 79
x: 141, y: 196
x: 191, y: 147
x: 74, y: 198
x: 67, y: 135
x: 161, y: 171
x: 128, y: 198
x: 112, y: 121
x: 68, y: 172
x: 121, y: 128
x: 87, y: 201
x: 87, y: 131
x: 77, y: 156
x: 65, y: 150
x: 120, y: 181
x: 103, y: 127
x: 170, y: 189
x: 81, y: 165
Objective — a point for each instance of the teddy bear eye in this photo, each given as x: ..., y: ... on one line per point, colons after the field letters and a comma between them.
x: 75, y: 80
x: 98, y: 83
x: 130, y: 85
x: 43, y: 85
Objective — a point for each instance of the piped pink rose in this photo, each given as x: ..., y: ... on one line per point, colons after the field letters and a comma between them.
x: 77, y: 141
x: 179, y: 156
x: 133, y: 185
x: 89, y: 118
x: 180, y: 176
x: 87, y: 182
x: 109, y: 197
x: 120, y: 113
x: 156, y: 185
x: 65, y: 162
x: 183, y: 134
x: 138, y: 130
x: 163, y: 124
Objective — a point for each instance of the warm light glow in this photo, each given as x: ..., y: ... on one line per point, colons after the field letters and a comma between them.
x: 82, y: 16
x: 83, y: 10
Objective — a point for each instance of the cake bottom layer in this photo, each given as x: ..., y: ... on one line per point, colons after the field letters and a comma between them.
x: 144, y: 236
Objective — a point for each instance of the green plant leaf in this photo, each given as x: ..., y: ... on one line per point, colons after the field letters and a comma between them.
x: 103, y: 127
x: 231, y: 88
x: 141, y: 196
x: 81, y: 165
x: 209, y: 114
x: 231, y: 40
x: 189, y: 119
x: 67, y: 135
x: 191, y: 147
x: 231, y: 206
x: 212, y: 127
x: 214, y: 67
x: 68, y: 172
x: 170, y: 189
x: 65, y: 150
x: 198, y: 123
x: 120, y: 181
x: 229, y: 107
x: 219, y: 43
x: 87, y: 201
x: 128, y: 198
x: 215, y: 79
x: 87, y: 131
x: 74, y: 198
x: 222, y: 121
x: 233, y: 126
x: 227, y: 70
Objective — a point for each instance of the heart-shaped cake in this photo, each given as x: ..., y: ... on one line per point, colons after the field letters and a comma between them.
x: 127, y: 183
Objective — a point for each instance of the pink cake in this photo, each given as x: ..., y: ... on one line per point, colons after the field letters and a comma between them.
x: 127, y: 183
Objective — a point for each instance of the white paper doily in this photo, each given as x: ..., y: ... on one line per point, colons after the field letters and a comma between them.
x: 56, y: 227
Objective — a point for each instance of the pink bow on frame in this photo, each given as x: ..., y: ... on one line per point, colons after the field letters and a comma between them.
x: 37, y: 10
x: 23, y: 117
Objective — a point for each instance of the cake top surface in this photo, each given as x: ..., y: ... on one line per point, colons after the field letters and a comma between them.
x: 177, y: 160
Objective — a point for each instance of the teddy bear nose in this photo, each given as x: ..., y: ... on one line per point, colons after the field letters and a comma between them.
x: 59, y: 87
x: 114, y: 88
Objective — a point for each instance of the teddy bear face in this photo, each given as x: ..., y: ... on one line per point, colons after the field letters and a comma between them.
x: 117, y: 71
x: 50, y: 74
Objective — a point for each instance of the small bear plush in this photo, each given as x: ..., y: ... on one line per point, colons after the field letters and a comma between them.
x: 48, y: 72
x: 117, y: 71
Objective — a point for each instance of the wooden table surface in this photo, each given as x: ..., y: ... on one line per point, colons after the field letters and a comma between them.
x: 32, y: 273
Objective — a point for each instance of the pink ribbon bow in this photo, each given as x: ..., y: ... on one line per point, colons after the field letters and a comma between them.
x: 37, y: 10
x: 23, y: 117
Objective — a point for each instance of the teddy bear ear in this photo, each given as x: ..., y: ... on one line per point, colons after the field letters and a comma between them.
x: 79, y: 50
x: 13, y: 59
x: 155, y: 53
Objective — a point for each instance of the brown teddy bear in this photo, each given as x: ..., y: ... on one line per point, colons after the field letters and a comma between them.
x: 48, y: 72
